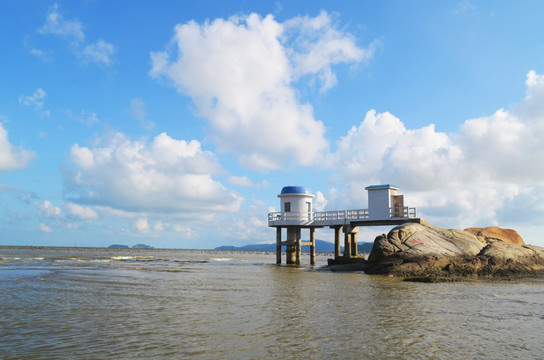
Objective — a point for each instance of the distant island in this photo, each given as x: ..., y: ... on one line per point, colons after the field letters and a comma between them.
x: 137, y: 246
x: 320, y: 246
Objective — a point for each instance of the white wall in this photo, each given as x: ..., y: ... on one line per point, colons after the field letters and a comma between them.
x: 298, y: 204
x: 379, y: 202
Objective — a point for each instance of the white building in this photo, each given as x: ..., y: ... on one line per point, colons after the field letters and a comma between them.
x: 296, y: 203
x: 384, y: 203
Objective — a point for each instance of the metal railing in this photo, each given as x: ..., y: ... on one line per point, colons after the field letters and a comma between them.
x: 341, y: 215
x: 336, y: 216
x: 405, y: 211
x: 289, y: 216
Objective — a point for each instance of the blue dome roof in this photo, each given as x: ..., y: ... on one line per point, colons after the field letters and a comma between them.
x: 295, y: 190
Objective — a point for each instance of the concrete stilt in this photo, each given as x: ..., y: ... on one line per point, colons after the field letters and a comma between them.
x: 278, y: 245
x: 291, y: 246
x: 298, y: 246
x: 354, y: 232
x: 312, y: 246
x: 337, y: 230
x: 347, y: 242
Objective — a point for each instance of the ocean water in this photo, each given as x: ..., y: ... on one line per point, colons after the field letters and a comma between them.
x: 81, y: 303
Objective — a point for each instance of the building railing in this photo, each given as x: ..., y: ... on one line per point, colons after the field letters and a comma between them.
x: 405, y: 211
x: 336, y: 216
x: 340, y: 215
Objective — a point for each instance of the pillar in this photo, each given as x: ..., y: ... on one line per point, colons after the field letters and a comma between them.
x: 278, y: 245
x: 337, y: 242
x: 291, y: 246
x: 347, y: 242
x: 298, y: 246
x: 312, y: 246
x: 354, y: 244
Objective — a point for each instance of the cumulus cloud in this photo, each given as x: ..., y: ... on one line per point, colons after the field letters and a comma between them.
x: 44, y: 228
x: 48, y: 210
x: 244, y: 181
x: 99, y: 52
x: 138, y: 110
x: 240, y: 72
x: 81, y: 212
x: 319, y: 202
x: 55, y: 24
x: 318, y: 44
x: 84, y: 117
x: 163, y: 176
x: 142, y: 225
x: 464, y: 178
x: 250, y: 223
x: 35, y: 100
x: 12, y: 158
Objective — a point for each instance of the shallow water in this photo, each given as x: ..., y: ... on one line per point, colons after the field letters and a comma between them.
x: 138, y: 303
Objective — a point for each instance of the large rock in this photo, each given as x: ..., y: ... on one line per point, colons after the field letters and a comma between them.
x: 423, y: 250
x: 498, y: 234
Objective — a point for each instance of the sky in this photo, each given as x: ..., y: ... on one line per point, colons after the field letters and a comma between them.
x: 177, y: 123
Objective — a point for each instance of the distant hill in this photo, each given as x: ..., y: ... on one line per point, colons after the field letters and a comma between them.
x: 142, y: 246
x: 320, y: 246
x: 137, y: 246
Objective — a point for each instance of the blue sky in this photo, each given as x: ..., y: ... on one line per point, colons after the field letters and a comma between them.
x: 176, y: 124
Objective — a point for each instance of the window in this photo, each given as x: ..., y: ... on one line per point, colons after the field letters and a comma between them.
x: 287, y: 207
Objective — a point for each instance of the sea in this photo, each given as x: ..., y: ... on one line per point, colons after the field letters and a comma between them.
x: 99, y: 303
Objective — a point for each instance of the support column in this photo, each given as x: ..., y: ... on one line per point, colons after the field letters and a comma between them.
x: 354, y: 244
x: 298, y: 245
x: 312, y: 246
x: 347, y: 242
x: 278, y: 245
x: 337, y: 242
x: 291, y: 246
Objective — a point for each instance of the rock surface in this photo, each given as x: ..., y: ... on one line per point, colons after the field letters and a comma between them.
x: 429, y: 252
x: 497, y: 233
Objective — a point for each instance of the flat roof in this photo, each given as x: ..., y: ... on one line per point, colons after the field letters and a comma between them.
x: 383, y: 186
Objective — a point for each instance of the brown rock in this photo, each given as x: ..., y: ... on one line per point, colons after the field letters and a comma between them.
x: 423, y: 250
x: 498, y: 234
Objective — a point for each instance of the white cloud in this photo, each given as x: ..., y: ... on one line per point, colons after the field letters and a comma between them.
x: 35, y: 100
x: 138, y: 110
x: 48, y: 210
x: 163, y: 176
x: 249, y: 224
x: 100, y: 52
x: 44, y: 228
x: 12, y: 158
x: 55, y: 24
x: 239, y: 72
x: 244, y: 181
x: 44, y: 55
x: 83, y: 117
x: 142, y: 225
x: 382, y: 148
x: 319, y: 202
x: 81, y: 212
x: 467, y: 178
x: 318, y: 45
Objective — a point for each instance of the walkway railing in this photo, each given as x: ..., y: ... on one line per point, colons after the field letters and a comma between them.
x: 396, y: 212
x: 339, y: 216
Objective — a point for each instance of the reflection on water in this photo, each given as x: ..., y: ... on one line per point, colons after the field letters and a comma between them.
x: 128, y: 303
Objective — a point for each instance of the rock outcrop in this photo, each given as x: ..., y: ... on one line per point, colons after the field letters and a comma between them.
x: 497, y: 233
x: 428, y: 253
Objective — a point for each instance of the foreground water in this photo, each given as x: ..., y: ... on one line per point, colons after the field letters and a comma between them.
x: 127, y: 303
